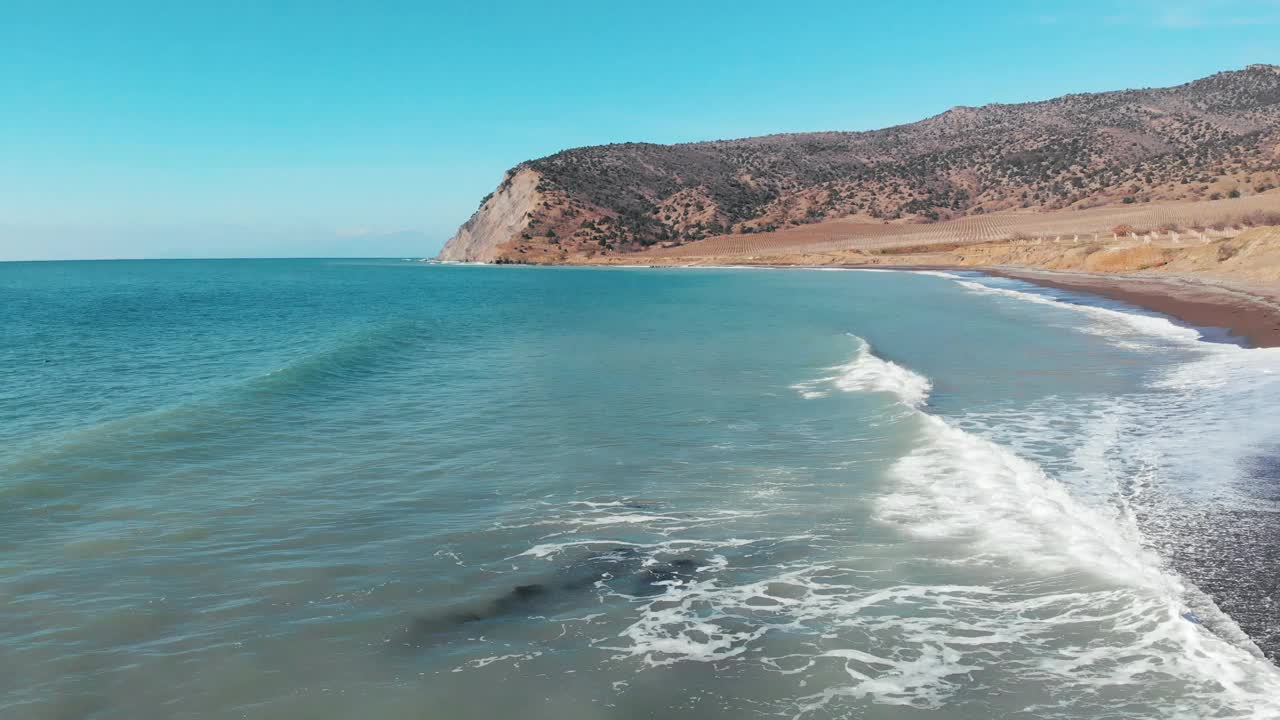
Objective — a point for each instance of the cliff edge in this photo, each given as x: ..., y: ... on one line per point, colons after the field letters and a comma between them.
x: 500, y: 219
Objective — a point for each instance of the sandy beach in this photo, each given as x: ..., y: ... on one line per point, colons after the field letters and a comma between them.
x: 1231, y: 283
x: 1247, y: 314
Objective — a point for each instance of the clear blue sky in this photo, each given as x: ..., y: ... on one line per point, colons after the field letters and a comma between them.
x: 205, y: 129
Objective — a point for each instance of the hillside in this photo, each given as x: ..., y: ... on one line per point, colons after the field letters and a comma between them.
x: 1216, y: 137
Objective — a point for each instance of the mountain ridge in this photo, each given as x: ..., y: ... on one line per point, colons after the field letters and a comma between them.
x: 1075, y: 151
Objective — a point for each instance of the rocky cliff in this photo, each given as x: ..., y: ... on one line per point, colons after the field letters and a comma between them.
x: 502, y: 216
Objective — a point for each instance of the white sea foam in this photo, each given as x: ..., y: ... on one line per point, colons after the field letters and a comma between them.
x: 1204, y: 398
x: 1090, y: 613
x: 959, y: 487
x: 983, y: 505
x: 868, y: 373
x: 579, y: 515
x: 919, y: 644
x: 515, y: 659
x: 618, y: 519
x: 548, y: 550
x: 1124, y: 327
x: 1228, y: 399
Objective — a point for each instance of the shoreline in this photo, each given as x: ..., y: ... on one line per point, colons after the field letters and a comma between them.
x: 1230, y: 285
x: 1248, y: 316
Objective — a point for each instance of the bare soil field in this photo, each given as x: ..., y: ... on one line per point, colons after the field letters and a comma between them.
x: 1171, y: 222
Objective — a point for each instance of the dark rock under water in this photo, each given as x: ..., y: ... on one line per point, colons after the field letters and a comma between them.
x: 623, y: 571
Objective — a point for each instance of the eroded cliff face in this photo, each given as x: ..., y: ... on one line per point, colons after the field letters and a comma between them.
x: 502, y: 217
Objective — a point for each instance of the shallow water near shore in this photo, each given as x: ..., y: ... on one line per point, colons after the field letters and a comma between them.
x: 325, y: 489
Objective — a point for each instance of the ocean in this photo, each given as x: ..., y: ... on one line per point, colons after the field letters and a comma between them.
x: 388, y: 489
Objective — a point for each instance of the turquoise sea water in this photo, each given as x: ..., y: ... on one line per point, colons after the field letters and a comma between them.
x: 382, y: 489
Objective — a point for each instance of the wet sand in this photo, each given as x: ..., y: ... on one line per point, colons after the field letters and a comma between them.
x: 1243, y: 313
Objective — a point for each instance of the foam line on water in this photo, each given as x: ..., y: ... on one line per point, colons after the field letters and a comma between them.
x: 1204, y: 397
x: 937, y: 273
x: 959, y: 487
x: 1107, y: 322
x: 1100, y: 617
x: 963, y: 490
x: 919, y: 645
x: 867, y: 372
x: 552, y: 549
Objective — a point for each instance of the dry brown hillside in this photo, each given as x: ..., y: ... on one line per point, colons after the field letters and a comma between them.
x: 1217, y: 137
x: 1170, y: 220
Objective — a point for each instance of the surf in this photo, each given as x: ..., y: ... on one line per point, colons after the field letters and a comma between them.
x: 957, y: 487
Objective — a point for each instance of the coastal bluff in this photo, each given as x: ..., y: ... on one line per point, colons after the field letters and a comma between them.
x: 502, y: 216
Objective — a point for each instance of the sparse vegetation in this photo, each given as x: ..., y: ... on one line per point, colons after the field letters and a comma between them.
x: 1206, y: 139
x: 1078, y: 229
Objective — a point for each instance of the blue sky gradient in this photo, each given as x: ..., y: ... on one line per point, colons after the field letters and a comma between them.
x: 202, y: 129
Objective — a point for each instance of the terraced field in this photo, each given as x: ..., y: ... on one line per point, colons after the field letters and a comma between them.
x: 1174, y: 221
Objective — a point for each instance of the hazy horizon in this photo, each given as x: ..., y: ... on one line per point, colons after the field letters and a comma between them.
x: 293, y: 132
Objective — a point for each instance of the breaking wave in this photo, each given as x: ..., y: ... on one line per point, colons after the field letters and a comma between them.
x: 867, y: 373
x: 1018, y: 559
x: 978, y: 507
x: 1130, y: 329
